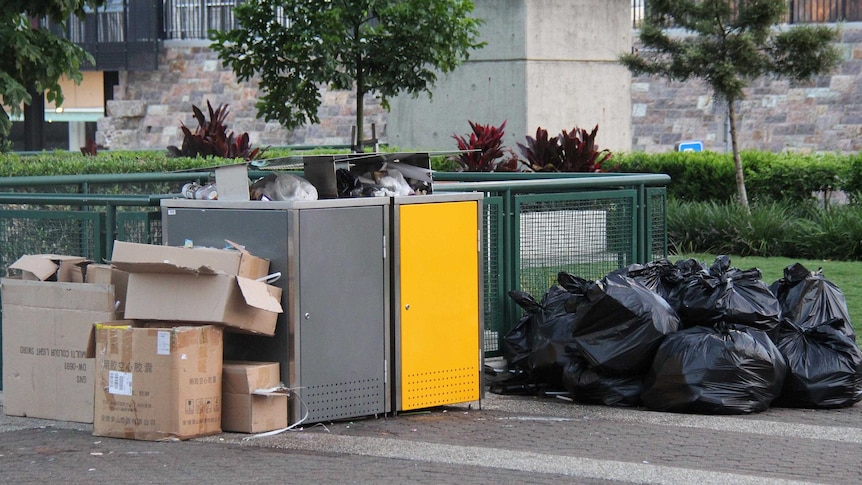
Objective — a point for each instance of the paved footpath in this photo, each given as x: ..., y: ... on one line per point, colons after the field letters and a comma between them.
x: 509, y: 440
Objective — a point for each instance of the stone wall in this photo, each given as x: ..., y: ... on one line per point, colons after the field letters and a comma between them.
x: 824, y: 114
x: 149, y: 106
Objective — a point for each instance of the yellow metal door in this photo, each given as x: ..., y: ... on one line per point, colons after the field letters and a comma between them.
x: 439, y: 304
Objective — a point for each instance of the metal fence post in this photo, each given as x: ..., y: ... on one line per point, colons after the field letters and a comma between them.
x: 110, y: 231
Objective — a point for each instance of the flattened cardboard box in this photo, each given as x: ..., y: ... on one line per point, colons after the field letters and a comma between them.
x: 157, y: 383
x: 246, y: 409
x: 47, y: 327
x: 242, y: 304
x: 237, y: 261
x: 51, y: 267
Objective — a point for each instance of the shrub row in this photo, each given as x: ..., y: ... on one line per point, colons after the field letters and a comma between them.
x: 704, y: 176
x: 709, y: 176
x: 107, y: 162
x: 778, y: 228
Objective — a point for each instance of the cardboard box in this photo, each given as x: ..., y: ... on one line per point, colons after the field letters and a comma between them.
x: 247, y: 406
x: 157, y: 383
x: 47, y: 354
x: 244, y: 305
x: 151, y: 257
x: 51, y: 267
x: 105, y: 274
x: 192, y: 285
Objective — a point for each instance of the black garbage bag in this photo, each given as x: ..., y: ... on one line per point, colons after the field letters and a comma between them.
x: 590, y: 386
x: 824, y: 366
x: 548, y: 328
x: 729, y: 295
x: 808, y: 299
x: 690, y: 267
x: 676, y: 281
x: 720, y: 369
x: 660, y: 276
x: 518, y: 341
x: 347, y: 184
x: 619, y: 324
x: 575, y: 285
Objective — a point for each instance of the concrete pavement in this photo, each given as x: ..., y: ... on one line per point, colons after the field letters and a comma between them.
x: 510, y: 439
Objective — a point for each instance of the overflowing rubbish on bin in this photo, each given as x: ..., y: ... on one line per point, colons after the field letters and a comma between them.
x: 282, y: 186
x: 323, y: 177
x: 685, y: 337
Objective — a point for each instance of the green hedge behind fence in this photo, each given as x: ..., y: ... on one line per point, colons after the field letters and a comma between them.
x: 703, y: 176
x: 709, y: 176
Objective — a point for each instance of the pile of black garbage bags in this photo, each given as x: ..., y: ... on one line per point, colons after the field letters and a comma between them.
x: 686, y: 338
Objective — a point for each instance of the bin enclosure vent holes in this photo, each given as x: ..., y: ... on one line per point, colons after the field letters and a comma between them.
x: 344, y: 399
x: 437, y: 388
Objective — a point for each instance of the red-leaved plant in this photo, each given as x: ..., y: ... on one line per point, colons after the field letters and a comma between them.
x: 573, y: 151
x: 543, y: 154
x: 484, y: 150
x: 211, y: 138
x: 580, y: 153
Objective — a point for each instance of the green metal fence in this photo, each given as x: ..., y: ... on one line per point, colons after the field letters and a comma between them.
x: 537, y: 225
x: 534, y: 226
x: 72, y: 224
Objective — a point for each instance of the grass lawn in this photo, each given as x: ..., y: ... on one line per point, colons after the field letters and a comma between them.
x: 844, y: 274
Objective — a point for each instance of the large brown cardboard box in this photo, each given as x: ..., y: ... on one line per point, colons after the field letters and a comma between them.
x: 242, y: 304
x: 196, y: 285
x: 47, y: 337
x: 157, y: 383
x: 248, y: 403
x: 236, y: 261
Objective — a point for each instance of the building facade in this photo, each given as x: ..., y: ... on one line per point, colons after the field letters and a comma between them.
x: 152, y: 63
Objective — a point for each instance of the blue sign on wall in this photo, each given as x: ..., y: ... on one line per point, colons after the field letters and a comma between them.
x: 689, y: 146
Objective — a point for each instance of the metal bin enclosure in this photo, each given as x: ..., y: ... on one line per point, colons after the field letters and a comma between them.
x: 333, y: 341
x: 437, y: 246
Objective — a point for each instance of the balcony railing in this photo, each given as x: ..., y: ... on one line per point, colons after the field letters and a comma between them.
x: 124, y: 34
x: 121, y: 35
x: 799, y: 11
x: 193, y: 19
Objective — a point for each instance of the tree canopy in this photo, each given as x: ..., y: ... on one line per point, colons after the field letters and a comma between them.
x: 32, y: 59
x: 383, y: 47
x: 729, y: 44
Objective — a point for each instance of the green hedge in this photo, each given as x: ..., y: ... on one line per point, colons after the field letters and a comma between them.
x: 703, y: 176
x: 106, y: 162
x: 709, y: 176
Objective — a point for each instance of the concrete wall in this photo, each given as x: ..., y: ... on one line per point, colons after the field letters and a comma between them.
x: 488, y: 89
x: 548, y: 63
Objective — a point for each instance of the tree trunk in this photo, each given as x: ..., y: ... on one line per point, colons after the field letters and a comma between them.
x: 360, y: 97
x: 34, y: 122
x: 741, y: 193
x: 360, y: 118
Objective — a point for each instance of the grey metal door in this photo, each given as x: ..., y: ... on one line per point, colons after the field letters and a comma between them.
x: 342, y: 321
